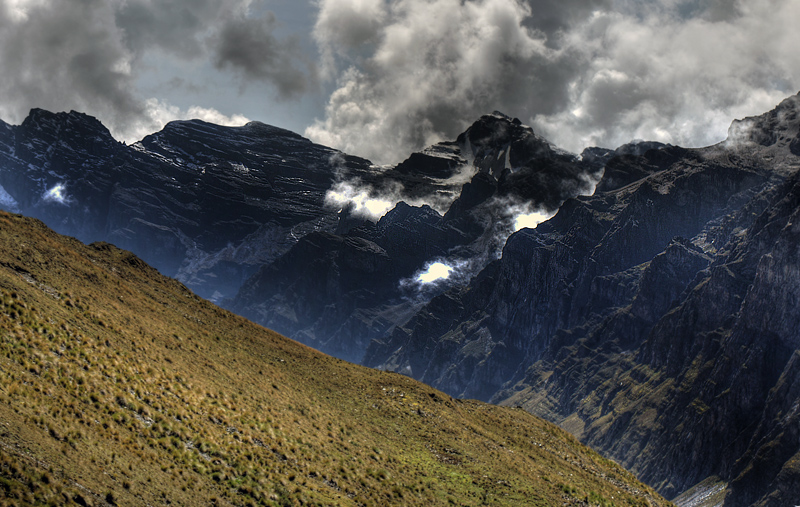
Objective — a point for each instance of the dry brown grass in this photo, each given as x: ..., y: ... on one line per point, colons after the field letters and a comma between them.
x: 119, y: 386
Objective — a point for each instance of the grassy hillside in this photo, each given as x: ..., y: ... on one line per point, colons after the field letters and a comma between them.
x: 119, y: 386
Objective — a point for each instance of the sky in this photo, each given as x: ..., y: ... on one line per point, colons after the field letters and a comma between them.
x: 382, y: 78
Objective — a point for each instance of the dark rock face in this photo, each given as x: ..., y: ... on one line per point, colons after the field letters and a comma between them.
x: 437, y: 163
x: 214, y: 206
x: 545, y: 276
x: 511, y: 166
x: 348, y: 271
x: 657, y: 320
x: 202, y: 202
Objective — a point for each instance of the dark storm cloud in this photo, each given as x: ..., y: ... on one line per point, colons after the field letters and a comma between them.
x: 249, y: 46
x: 171, y: 25
x: 436, y: 66
x: 87, y: 55
x: 554, y: 16
x: 581, y: 72
x: 64, y: 53
x: 350, y: 24
x: 717, y: 10
x: 348, y: 29
x: 707, y: 10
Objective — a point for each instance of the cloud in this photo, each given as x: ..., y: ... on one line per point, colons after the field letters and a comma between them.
x: 362, y: 200
x: 437, y: 65
x: 175, y: 27
x: 249, y: 46
x: 372, y: 201
x: 87, y: 55
x: 435, y: 271
x: 59, y: 55
x: 580, y: 72
x: 57, y: 194
x: 348, y: 24
x: 159, y: 113
x: 213, y: 116
x: 439, y: 274
x: 671, y: 79
x: 344, y: 27
x: 554, y: 17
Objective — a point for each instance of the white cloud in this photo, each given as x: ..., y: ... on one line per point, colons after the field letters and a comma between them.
x: 675, y: 80
x: 436, y: 65
x: 372, y: 202
x: 18, y: 9
x: 590, y: 73
x: 159, y: 113
x: 440, y: 273
x: 434, y: 272
x: 58, y: 194
x: 363, y: 200
x: 88, y: 55
x: 213, y: 116
x: 530, y: 220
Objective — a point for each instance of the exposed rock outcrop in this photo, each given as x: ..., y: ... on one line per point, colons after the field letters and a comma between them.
x: 657, y: 320
x: 513, y: 169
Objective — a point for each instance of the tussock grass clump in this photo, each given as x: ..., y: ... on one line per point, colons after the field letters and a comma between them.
x: 120, y: 387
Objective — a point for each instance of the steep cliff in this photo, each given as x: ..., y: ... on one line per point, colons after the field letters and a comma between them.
x: 656, y: 319
x: 337, y: 293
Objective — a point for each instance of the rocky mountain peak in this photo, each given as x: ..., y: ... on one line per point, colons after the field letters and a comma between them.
x: 71, y: 127
x: 262, y: 129
x: 190, y: 137
x: 202, y: 202
x: 497, y: 142
x: 632, y: 162
x: 440, y: 161
x: 778, y: 129
x: 403, y: 212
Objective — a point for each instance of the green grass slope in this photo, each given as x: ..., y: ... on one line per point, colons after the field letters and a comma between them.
x: 119, y: 386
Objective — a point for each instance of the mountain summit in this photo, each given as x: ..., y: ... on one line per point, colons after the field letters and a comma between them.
x: 339, y: 292
x: 224, y: 208
x: 199, y: 201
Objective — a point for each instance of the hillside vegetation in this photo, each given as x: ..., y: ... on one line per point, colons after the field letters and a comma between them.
x: 119, y: 386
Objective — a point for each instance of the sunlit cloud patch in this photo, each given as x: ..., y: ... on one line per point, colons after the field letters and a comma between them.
x: 530, y: 220
x: 361, y: 200
x: 439, y: 274
x: 434, y: 272
x: 57, y: 194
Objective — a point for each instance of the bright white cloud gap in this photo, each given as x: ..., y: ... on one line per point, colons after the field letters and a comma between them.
x: 360, y: 199
x: 434, y: 272
x: 530, y: 220
x: 56, y: 194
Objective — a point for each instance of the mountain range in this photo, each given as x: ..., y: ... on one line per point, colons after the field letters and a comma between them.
x: 656, y: 319
x: 654, y: 315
